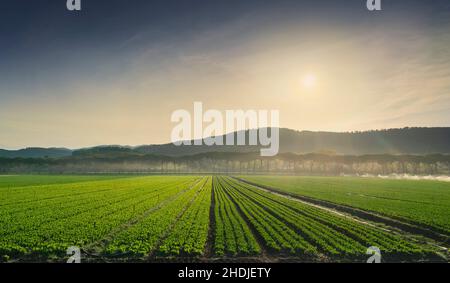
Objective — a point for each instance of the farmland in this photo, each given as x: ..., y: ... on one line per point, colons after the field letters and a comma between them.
x: 424, y: 202
x: 203, y: 218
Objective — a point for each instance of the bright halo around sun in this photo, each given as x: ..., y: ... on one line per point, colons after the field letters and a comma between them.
x: 309, y: 81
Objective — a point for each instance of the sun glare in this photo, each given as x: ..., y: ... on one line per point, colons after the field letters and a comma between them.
x: 309, y: 81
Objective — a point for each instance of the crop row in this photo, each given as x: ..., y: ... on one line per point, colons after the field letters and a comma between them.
x: 33, y: 215
x: 421, y: 202
x: 147, y: 235
x: 51, y: 229
x: 232, y: 234
x: 319, y: 231
x: 190, y: 232
x: 277, y: 236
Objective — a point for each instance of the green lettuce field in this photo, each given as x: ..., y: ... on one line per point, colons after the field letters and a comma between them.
x: 218, y: 218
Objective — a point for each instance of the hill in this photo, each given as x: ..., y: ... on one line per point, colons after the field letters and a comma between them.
x: 418, y: 141
x: 36, y: 152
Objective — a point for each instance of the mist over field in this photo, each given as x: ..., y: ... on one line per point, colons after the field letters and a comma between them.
x: 409, y: 177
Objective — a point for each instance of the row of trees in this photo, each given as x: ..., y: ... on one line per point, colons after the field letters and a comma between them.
x: 237, y: 163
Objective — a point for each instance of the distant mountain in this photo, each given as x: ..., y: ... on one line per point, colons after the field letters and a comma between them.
x: 36, y: 152
x: 392, y: 141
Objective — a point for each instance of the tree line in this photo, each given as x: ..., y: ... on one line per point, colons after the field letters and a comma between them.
x: 234, y: 163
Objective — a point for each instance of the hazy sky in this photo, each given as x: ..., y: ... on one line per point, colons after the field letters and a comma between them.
x: 114, y: 72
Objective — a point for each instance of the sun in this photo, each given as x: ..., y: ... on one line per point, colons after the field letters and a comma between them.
x: 309, y: 81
